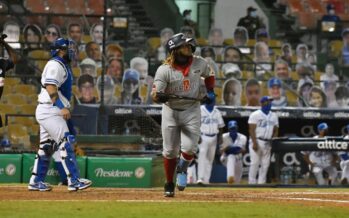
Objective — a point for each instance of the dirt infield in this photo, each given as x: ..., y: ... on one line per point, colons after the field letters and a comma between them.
x: 319, y: 197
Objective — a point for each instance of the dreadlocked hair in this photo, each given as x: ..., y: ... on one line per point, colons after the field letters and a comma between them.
x: 170, y: 59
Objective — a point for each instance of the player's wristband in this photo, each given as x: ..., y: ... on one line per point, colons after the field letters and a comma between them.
x: 59, y: 103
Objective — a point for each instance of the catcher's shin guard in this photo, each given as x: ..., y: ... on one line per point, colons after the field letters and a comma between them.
x: 42, y: 162
x: 68, y: 158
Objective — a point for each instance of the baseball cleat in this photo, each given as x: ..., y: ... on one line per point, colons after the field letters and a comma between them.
x: 80, y: 184
x: 200, y: 182
x: 181, y: 181
x: 169, y: 189
x: 40, y: 186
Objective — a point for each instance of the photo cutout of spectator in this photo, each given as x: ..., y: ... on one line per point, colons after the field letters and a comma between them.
x: 88, y: 66
x: 252, y: 92
x: 93, y: 51
x: 302, y: 53
x: 305, y: 71
x: 130, y: 88
x: 165, y: 35
x: 345, y: 49
x: 109, y: 90
x: 329, y: 89
x: 342, y: 97
x: 329, y: 75
x: 251, y: 22
x: 231, y: 70
x: 86, y: 87
x: 32, y: 37
x: 304, y: 87
x: 215, y: 39
x: 282, y: 72
x: 115, y: 69
x: 96, y: 33
x: 232, y: 55
x: 76, y: 32
x: 140, y: 64
x: 286, y: 53
x: 12, y: 29
x: 114, y: 51
x: 232, y: 92
x: 240, y: 39
x: 52, y: 32
x: 331, y: 14
x: 276, y: 91
x: 188, y: 31
x: 208, y: 52
x: 262, y: 59
x: 317, y: 98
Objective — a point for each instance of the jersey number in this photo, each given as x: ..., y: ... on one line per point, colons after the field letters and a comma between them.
x: 186, y: 85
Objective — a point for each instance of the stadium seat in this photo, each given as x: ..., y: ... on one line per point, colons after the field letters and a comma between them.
x: 34, y: 129
x: 33, y: 99
x: 76, y: 72
x: 291, y: 98
x: 15, y: 99
x: 274, y: 43
x: 11, y: 81
x: 26, y: 121
x: 154, y: 42
x: 294, y: 76
x: 96, y: 7
x: 219, y: 94
x: 307, y: 20
x: 57, y: 8
x: 316, y: 7
x: 76, y: 6
x: 294, y: 6
x: 99, y: 71
x: 25, y: 89
x: 18, y: 134
x: 82, y: 55
x: 86, y: 39
x: 75, y: 90
x: 7, y: 109
x: 143, y: 92
x: 335, y: 48
x: 251, y: 42
x: 39, y: 55
x: 229, y: 41
x: 35, y: 6
x: 27, y: 109
x: 117, y: 92
x: 201, y: 42
x: 7, y: 89
x: 40, y: 65
x: 317, y: 76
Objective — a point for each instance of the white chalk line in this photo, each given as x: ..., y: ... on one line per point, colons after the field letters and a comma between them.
x: 172, y: 200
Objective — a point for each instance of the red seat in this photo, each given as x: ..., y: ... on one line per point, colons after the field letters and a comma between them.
x: 315, y: 6
x: 56, y: 7
x: 295, y: 6
x: 307, y: 20
x: 76, y: 6
x: 97, y: 6
x: 35, y: 6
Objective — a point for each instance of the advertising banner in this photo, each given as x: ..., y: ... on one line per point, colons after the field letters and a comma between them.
x: 10, y: 168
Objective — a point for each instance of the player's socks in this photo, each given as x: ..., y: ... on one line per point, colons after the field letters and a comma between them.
x: 170, y: 167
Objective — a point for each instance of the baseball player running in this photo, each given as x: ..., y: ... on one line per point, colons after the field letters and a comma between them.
x: 212, y: 124
x: 180, y: 74
x: 320, y: 161
x: 263, y: 126
x: 344, y: 164
x: 232, y: 148
x: 52, y: 114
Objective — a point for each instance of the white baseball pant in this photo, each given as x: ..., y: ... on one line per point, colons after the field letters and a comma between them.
x: 260, y: 161
x: 234, y: 167
x: 207, y: 151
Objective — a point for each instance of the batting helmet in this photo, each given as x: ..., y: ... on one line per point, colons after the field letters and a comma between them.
x: 179, y: 39
x: 232, y: 124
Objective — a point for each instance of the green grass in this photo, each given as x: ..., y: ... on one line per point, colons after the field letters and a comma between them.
x: 166, y: 209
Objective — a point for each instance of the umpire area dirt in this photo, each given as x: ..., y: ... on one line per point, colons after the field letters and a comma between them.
x: 320, y: 197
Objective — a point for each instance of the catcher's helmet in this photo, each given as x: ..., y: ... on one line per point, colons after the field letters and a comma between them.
x: 62, y: 43
x: 179, y: 39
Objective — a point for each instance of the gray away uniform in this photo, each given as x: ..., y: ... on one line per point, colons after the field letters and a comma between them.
x: 181, y: 119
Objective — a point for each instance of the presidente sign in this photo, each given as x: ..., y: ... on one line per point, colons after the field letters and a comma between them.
x: 10, y: 168
x: 120, y: 172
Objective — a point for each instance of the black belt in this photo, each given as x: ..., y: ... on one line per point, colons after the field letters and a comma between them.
x: 209, y: 135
